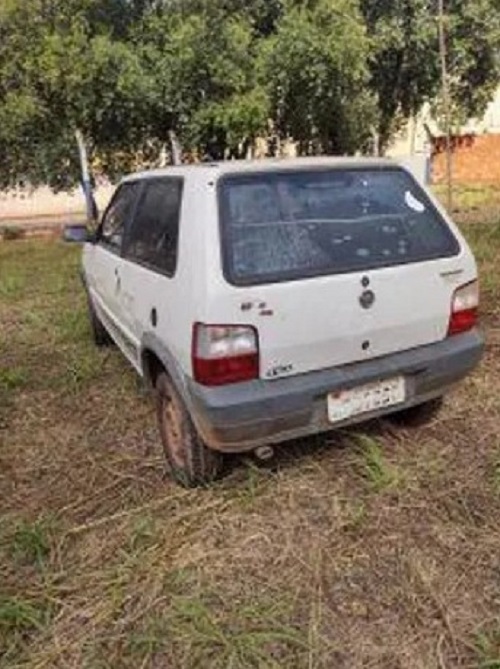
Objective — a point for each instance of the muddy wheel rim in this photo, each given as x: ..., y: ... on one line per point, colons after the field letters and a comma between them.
x: 172, y: 427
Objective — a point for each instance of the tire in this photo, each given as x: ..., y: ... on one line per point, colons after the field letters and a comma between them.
x: 419, y: 415
x: 190, y: 461
x: 100, y: 335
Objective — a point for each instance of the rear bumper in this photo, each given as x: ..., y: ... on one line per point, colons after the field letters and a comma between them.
x: 242, y: 417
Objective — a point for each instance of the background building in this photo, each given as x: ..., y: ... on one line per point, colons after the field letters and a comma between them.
x: 476, y: 148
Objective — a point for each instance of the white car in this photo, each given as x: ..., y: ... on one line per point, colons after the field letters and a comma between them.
x: 269, y: 300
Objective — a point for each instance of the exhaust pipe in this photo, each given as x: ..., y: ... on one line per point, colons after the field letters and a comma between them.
x: 264, y: 453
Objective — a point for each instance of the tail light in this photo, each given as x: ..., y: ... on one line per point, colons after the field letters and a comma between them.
x: 464, y: 309
x: 224, y: 354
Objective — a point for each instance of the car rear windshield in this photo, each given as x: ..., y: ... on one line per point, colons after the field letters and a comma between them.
x: 283, y: 226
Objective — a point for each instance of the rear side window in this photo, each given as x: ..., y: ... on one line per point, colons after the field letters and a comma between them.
x: 291, y: 225
x: 154, y: 233
x: 118, y: 214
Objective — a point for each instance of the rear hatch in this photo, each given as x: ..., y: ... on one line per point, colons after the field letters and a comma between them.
x: 334, y: 266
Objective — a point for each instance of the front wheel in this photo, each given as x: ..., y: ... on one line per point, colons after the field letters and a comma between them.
x: 418, y: 415
x: 100, y: 335
x: 190, y: 461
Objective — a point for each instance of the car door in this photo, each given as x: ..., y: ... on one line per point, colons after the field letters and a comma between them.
x: 103, y: 264
x: 150, y: 261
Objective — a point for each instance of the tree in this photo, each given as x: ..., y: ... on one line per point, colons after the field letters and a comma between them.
x: 130, y: 74
x: 474, y: 53
x: 316, y: 69
x: 60, y: 73
x: 126, y: 84
x: 404, y: 65
x: 203, y: 66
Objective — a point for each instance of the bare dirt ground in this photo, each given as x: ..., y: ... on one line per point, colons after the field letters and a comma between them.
x: 377, y: 548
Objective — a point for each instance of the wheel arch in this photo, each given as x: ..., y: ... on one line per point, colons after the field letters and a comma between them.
x: 151, y: 366
x: 155, y: 358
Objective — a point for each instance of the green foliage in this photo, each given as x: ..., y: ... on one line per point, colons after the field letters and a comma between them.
x: 206, y: 89
x: 488, y: 649
x: 405, y: 65
x: 11, y: 379
x: 11, y: 286
x: 317, y: 74
x: 474, y: 44
x: 374, y: 467
x: 329, y: 74
x: 248, y: 643
x: 17, y: 615
x: 31, y: 544
x: 61, y: 69
x: 405, y: 69
x: 20, y: 619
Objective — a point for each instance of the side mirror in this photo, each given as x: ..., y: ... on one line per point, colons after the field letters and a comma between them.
x: 77, y: 234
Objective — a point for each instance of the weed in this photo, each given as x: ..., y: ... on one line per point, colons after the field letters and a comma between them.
x: 12, y: 379
x: 143, y: 534
x: 18, y: 616
x: 248, y: 638
x: 11, y: 286
x: 81, y: 368
x: 356, y: 516
x: 31, y: 542
x: 19, y: 619
x: 488, y: 649
x: 252, y: 488
x: 72, y: 326
x: 374, y: 466
x: 151, y: 639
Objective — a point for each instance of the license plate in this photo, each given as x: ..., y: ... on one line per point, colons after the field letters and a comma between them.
x: 366, y: 399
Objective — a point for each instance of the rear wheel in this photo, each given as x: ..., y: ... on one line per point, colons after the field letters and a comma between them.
x: 190, y: 461
x: 418, y: 415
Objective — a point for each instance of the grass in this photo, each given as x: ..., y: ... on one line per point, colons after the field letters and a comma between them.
x: 488, y: 646
x: 195, y: 629
x: 375, y: 468
x: 19, y: 620
x: 377, y: 547
x: 31, y: 543
x: 472, y: 203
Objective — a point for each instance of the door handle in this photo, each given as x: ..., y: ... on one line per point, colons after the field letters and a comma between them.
x: 118, y: 280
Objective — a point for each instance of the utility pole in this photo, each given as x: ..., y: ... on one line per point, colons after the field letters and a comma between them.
x: 445, y: 84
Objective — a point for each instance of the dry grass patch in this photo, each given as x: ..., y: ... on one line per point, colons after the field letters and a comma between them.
x: 372, y: 548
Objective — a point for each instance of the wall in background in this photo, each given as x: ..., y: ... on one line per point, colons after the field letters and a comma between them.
x: 43, y: 203
x: 476, y: 159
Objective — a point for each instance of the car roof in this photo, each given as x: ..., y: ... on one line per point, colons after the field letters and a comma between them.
x: 215, y: 170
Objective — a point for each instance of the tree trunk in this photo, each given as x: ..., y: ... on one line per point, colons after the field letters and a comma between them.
x: 176, y: 148
x: 91, y: 206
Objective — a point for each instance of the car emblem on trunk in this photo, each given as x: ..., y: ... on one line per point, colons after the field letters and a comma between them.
x: 367, y: 299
